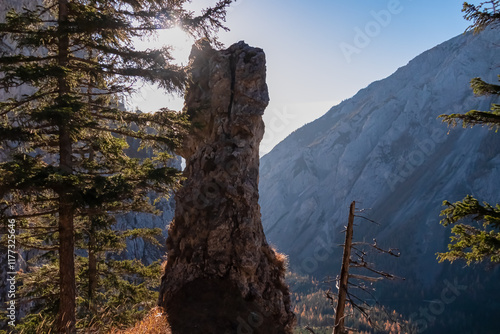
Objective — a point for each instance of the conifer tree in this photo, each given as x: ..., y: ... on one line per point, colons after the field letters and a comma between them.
x: 65, y: 175
x: 484, y: 15
x: 469, y: 242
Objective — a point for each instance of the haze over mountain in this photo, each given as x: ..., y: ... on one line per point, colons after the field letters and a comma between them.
x: 386, y: 149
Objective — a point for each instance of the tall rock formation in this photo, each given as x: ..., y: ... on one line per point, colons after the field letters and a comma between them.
x: 221, y: 276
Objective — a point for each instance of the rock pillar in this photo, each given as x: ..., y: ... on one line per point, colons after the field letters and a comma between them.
x: 221, y: 276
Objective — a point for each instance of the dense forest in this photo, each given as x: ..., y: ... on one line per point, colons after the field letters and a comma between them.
x: 314, y: 309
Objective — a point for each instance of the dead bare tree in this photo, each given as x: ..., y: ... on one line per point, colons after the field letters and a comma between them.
x: 355, y: 257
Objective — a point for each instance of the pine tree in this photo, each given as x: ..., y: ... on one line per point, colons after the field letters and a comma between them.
x: 66, y: 175
x: 469, y: 242
x: 482, y: 16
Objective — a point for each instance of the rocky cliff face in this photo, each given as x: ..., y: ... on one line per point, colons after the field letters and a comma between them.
x: 386, y: 149
x: 221, y: 276
x: 137, y: 248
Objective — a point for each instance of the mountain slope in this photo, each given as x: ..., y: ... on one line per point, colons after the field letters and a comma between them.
x: 386, y: 149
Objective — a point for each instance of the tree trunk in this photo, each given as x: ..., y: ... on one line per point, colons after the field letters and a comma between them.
x: 92, y: 271
x: 92, y: 248
x: 344, y: 275
x: 221, y: 276
x: 67, y: 302
x: 67, y: 305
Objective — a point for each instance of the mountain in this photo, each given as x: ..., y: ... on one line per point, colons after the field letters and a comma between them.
x: 386, y: 149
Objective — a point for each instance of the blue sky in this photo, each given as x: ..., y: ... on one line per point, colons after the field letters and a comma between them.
x: 320, y: 52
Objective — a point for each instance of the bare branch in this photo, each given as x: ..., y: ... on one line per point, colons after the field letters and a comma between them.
x: 391, y: 251
x: 309, y: 329
x: 365, y: 278
x: 370, y: 220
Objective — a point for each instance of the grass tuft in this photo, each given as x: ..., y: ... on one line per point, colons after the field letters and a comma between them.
x: 155, y: 322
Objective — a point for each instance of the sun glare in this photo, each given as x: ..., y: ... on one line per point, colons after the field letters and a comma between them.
x: 149, y: 97
x: 175, y: 37
x: 180, y: 42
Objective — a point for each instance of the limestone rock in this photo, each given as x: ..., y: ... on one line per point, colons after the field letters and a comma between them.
x: 221, y: 276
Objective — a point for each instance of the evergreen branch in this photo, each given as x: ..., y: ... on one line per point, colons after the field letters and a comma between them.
x: 170, y: 78
x: 171, y: 143
x: 113, y: 90
x: 168, y: 15
x: 481, y: 88
x: 210, y: 19
x: 39, y: 248
x: 33, y: 236
x: 475, y: 117
x: 38, y: 214
x: 21, y: 59
x: 470, y: 207
x: 18, y: 103
x: 31, y: 74
x: 471, y: 243
x: 480, y: 16
x: 158, y: 57
x: 30, y: 300
x: 167, y: 119
x: 54, y: 229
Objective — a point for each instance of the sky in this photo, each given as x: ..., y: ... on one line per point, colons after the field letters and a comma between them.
x: 320, y: 52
